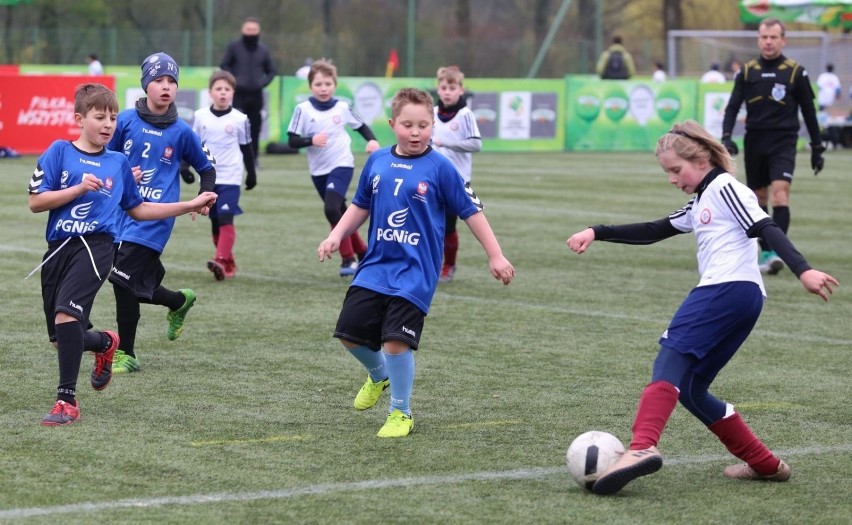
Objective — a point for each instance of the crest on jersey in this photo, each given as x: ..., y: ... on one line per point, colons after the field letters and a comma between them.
x: 422, y: 188
x: 779, y: 91
x: 168, y: 152
x: 706, y: 216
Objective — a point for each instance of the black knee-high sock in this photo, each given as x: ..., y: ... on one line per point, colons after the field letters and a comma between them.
x: 165, y: 297
x: 69, y: 338
x: 95, y: 341
x: 781, y: 216
x: 127, y: 317
x: 764, y: 246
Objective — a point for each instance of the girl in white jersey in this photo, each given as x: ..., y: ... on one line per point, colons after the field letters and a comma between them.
x: 719, y: 313
x: 319, y: 124
x: 457, y: 137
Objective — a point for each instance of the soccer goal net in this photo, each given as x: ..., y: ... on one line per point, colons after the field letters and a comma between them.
x: 691, y: 52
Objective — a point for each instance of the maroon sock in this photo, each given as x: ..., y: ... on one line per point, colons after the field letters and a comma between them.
x: 451, y: 248
x: 358, y: 245
x: 226, y: 241
x: 741, y: 442
x: 216, y: 240
x: 656, y: 404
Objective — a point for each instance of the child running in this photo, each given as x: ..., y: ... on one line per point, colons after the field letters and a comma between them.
x: 719, y: 313
x: 406, y: 190
x: 225, y: 132
x: 319, y: 124
x: 84, y: 187
x: 457, y: 137
x: 155, y: 140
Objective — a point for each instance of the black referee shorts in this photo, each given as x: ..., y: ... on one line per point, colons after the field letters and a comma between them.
x: 769, y: 156
x: 370, y: 318
x: 69, y: 280
x: 137, y: 268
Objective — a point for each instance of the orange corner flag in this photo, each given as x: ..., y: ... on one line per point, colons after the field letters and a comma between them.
x: 393, y: 63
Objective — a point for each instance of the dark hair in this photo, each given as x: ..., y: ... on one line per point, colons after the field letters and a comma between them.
x: 94, y: 96
x: 617, y: 39
x: 829, y: 68
x: 221, y: 74
x: 690, y: 141
x: 407, y: 96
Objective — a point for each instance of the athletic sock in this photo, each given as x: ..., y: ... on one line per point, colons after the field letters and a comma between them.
x: 742, y: 443
x: 174, y: 300
x: 451, y: 248
x: 227, y: 239
x: 401, y: 375
x: 656, y: 404
x: 95, y: 342
x: 373, y: 361
x: 781, y: 216
x: 69, y: 339
x: 126, y: 317
x: 764, y: 246
x: 358, y: 245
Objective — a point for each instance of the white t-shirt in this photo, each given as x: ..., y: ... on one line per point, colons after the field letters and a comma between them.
x: 223, y: 136
x: 454, y: 136
x: 829, y: 87
x: 713, y: 77
x: 308, y: 121
x: 720, y: 218
x: 96, y: 68
x: 659, y: 76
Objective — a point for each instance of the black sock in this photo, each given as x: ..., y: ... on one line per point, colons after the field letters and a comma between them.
x: 166, y: 297
x: 95, y: 342
x: 69, y: 338
x: 781, y: 216
x: 126, y: 317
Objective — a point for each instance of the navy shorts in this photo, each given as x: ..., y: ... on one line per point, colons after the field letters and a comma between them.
x: 227, y: 202
x: 337, y: 181
x: 138, y: 269
x: 769, y: 156
x: 69, y: 282
x: 370, y: 318
x: 712, y: 323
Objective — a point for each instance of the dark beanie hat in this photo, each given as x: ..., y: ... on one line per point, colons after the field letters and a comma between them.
x: 157, y: 65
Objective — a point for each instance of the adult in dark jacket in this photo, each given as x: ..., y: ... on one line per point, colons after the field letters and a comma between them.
x: 251, y: 63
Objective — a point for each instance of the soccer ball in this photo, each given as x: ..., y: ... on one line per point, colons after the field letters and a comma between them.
x: 590, y: 454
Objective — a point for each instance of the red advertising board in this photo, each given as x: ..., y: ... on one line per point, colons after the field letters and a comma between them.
x: 35, y: 110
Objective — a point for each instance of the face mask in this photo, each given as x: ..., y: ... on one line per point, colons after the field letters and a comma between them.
x: 251, y: 40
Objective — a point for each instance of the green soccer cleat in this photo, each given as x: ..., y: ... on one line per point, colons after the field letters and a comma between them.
x: 124, y: 364
x: 176, y: 317
x: 370, y: 393
x: 398, y: 425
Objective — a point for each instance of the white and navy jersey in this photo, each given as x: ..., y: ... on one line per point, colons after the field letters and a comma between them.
x: 720, y: 216
x: 158, y: 152
x: 63, y: 166
x: 223, y: 135
x: 408, y: 199
x: 308, y: 121
x: 459, y: 129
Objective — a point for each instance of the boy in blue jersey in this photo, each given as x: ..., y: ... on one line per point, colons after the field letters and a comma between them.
x: 406, y: 190
x: 84, y: 187
x: 155, y: 140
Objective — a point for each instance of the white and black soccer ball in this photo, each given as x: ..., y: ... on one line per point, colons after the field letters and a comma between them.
x: 590, y: 454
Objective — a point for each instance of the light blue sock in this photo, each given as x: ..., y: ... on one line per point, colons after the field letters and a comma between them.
x: 401, y: 374
x: 373, y: 361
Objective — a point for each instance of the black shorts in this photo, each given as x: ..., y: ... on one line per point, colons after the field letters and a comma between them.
x: 769, y: 156
x: 370, y: 318
x: 137, y: 268
x: 69, y: 282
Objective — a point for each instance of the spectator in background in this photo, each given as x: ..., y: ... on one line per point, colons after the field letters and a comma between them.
x: 829, y: 88
x: 713, y: 75
x: 659, y: 72
x: 251, y: 64
x: 95, y: 66
x: 616, y: 62
x: 303, y: 71
x: 735, y: 68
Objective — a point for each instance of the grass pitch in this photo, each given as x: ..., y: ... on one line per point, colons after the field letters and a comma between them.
x: 247, y: 418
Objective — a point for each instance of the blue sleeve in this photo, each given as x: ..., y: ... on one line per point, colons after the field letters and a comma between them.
x: 130, y: 197
x: 198, y: 156
x: 363, y: 192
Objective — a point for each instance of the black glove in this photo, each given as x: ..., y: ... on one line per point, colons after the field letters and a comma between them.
x: 817, y: 162
x: 251, y: 181
x: 187, y: 175
x: 730, y: 145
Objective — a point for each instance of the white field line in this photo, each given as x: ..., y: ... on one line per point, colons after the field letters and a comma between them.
x: 324, y: 489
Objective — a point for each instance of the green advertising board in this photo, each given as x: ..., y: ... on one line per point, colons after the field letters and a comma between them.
x: 512, y: 114
x: 624, y: 115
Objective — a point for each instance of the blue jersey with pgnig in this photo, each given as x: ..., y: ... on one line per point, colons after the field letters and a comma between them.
x: 158, y: 152
x: 63, y: 166
x: 408, y: 198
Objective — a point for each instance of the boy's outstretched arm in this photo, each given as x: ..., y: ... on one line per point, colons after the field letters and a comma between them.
x: 499, y: 266
x: 49, y: 200
x: 351, y: 221
x: 148, y: 211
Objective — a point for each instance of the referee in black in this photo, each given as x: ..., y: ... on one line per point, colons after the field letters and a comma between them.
x: 774, y: 89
